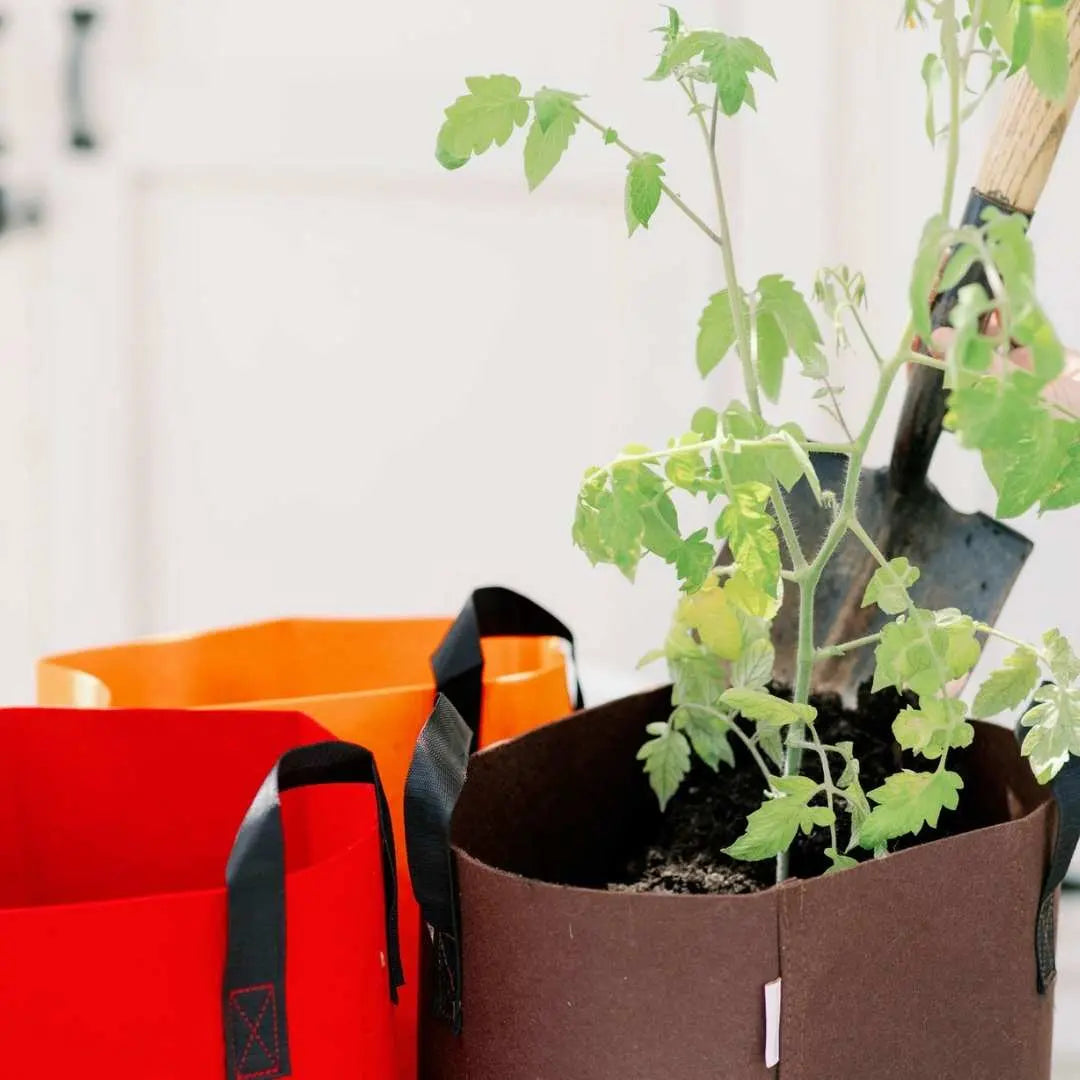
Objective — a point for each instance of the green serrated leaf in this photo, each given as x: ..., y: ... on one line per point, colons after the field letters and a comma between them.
x: 711, y: 616
x: 731, y: 62
x: 754, y: 668
x: 610, y: 136
x: 644, y: 185
x: 1027, y: 469
x: 935, y: 727
x: 923, y: 651
x: 771, y: 828
x: 751, y: 535
x: 888, y: 588
x: 1064, y: 665
x: 694, y: 559
x: 555, y: 122
x: 989, y: 413
x: 487, y: 114
x: 708, y: 735
x: 1054, y: 733
x: 1064, y: 490
x: 1048, y: 61
x: 770, y: 350
x: 716, y: 331
x: 771, y: 742
x: 667, y: 760
x: 789, y: 326
x: 765, y: 709
x: 924, y: 273
x: 906, y: 802
x: 1009, y: 686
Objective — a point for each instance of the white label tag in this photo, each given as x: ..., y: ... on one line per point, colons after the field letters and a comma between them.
x: 772, y: 1023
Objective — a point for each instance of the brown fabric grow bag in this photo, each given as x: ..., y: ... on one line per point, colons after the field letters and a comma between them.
x: 920, y: 966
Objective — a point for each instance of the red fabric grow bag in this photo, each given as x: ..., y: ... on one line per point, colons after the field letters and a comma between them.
x: 124, y: 955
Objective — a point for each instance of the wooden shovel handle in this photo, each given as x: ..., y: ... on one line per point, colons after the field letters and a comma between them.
x: 1028, y: 134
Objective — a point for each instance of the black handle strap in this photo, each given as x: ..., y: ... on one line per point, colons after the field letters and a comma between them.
x: 923, y: 411
x: 256, y: 1024
x: 1066, y: 788
x: 493, y: 611
x: 436, y: 777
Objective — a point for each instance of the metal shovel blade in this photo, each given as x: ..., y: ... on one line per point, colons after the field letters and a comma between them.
x: 967, y: 561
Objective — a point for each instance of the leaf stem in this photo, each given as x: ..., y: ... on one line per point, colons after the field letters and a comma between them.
x: 826, y: 779
x: 699, y: 222
x: 827, y: 651
x: 731, y: 277
x: 733, y: 727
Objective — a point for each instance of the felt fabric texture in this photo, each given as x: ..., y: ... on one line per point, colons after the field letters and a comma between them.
x: 917, y: 967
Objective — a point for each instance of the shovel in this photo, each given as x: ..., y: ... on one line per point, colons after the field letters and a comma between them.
x: 967, y: 561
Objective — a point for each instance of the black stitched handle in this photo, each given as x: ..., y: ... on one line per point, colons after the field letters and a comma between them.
x: 436, y: 777
x: 256, y: 1024
x: 493, y: 611
x: 1066, y: 788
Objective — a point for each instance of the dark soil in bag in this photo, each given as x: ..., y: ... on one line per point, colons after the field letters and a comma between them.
x: 682, y: 852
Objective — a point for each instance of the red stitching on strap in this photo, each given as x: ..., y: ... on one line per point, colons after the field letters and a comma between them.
x: 269, y: 1002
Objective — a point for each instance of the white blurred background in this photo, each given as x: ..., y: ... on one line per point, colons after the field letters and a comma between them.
x: 263, y: 356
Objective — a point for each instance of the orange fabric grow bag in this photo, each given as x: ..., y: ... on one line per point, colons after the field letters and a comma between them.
x: 143, y: 936
x: 367, y: 681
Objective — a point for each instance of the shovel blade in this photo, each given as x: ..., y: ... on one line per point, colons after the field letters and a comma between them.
x: 967, y: 561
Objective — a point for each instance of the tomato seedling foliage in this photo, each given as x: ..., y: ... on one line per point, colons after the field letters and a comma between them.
x: 718, y: 648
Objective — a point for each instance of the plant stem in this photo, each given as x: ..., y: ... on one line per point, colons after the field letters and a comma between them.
x: 738, y: 314
x: 812, y: 576
x: 733, y: 727
x: 663, y: 187
x: 826, y: 779
x: 723, y: 443
x: 847, y: 646
x: 787, y: 528
x: 993, y: 631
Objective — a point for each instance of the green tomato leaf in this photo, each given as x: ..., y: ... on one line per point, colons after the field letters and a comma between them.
x: 1048, y: 61
x: 1028, y: 469
x: 708, y: 735
x: 705, y: 422
x: 889, y: 586
x: 935, y: 727
x: 487, y: 114
x: 924, y: 273
x: 1064, y: 491
x: 751, y: 535
x: 556, y: 118
x: 1054, y: 733
x: 771, y: 828
x: 1009, y: 686
x: 710, y: 614
x: 924, y: 650
x: 716, y: 331
x: 765, y: 709
x: 790, y: 326
x: 731, y: 62
x: 644, y: 180
x: 1064, y: 665
x: 754, y: 668
x: 694, y: 559
x: 667, y: 760
x: 906, y: 802
x: 991, y: 412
